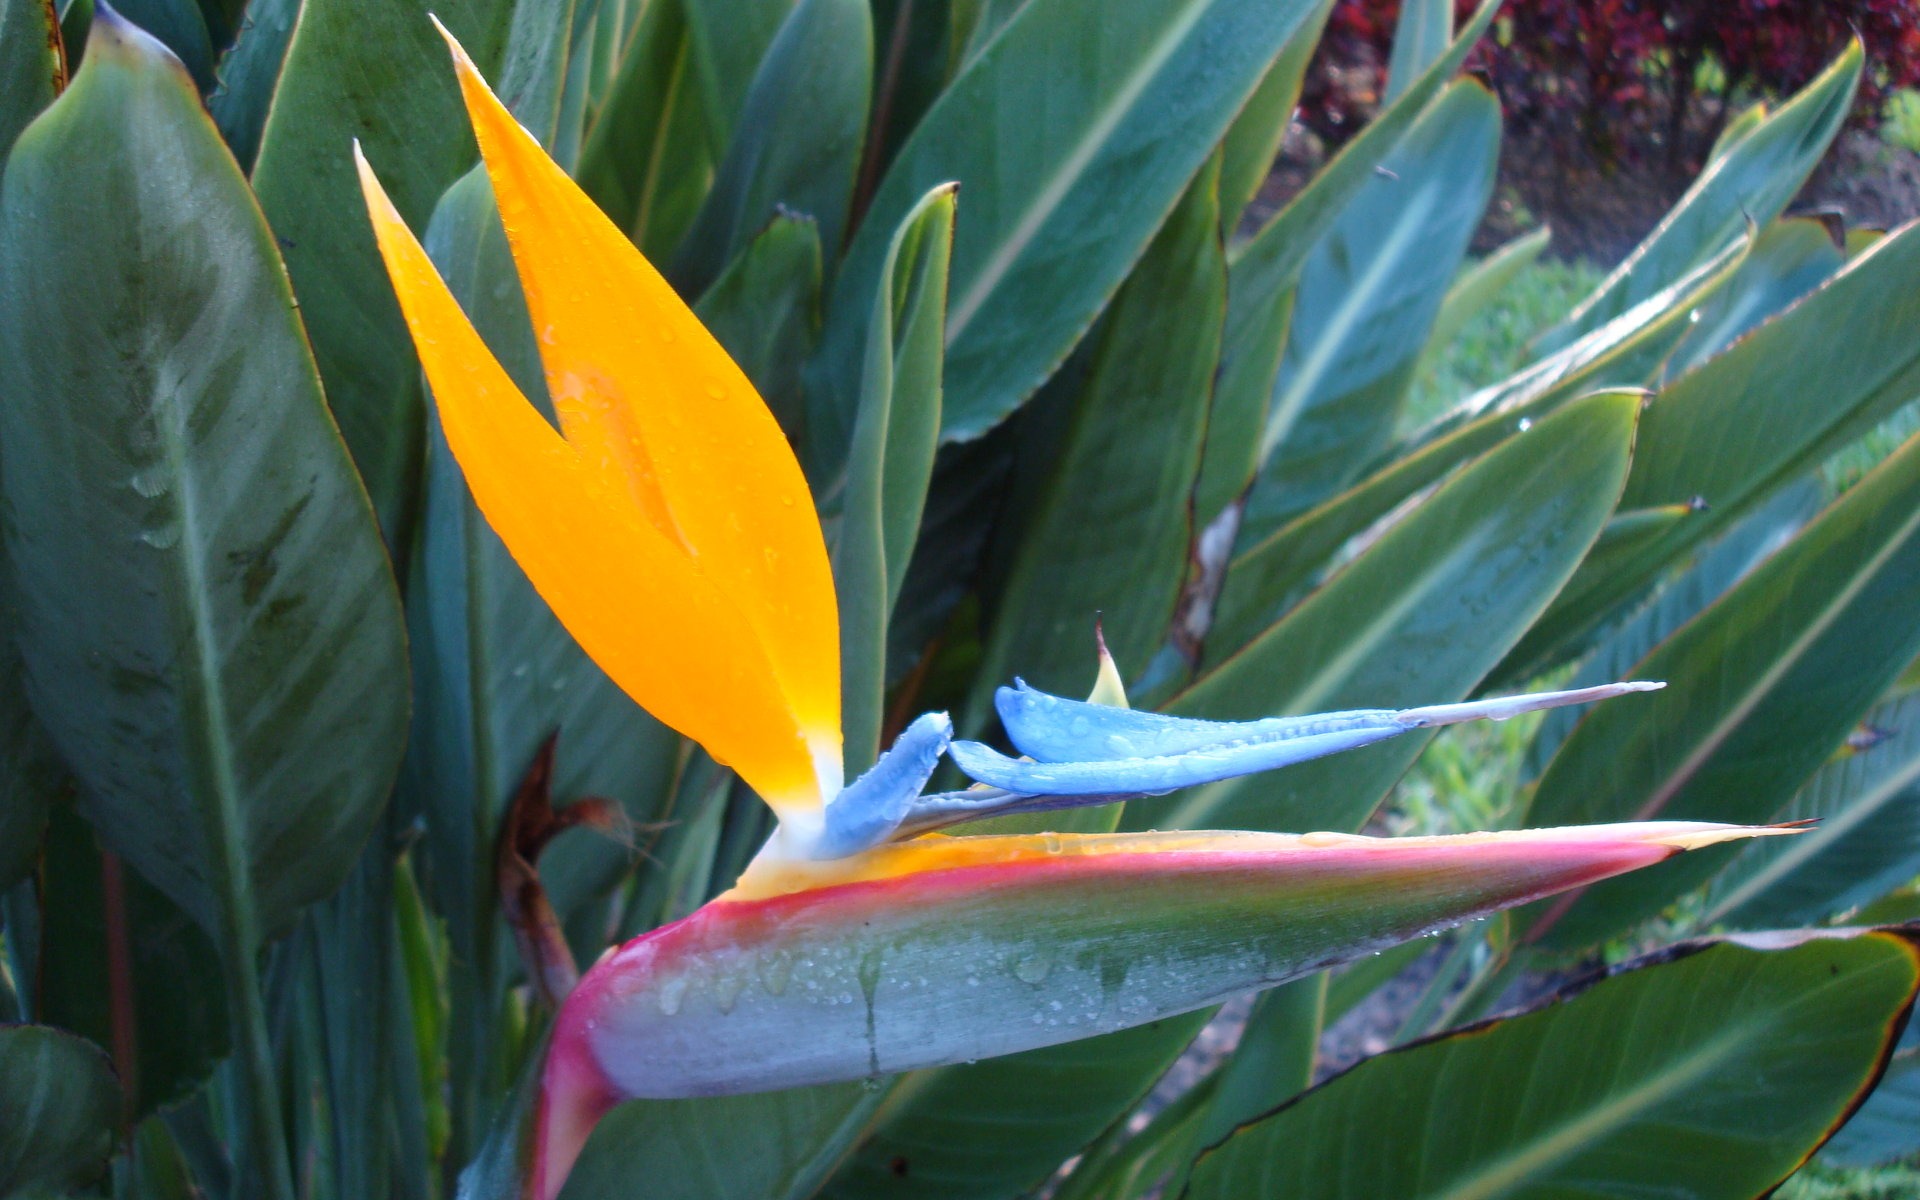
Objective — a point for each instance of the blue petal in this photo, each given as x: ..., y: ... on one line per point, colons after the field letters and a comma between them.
x: 1095, y: 751
x: 1054, y: 729
x: 870, y: 809
x: 1121, y: 777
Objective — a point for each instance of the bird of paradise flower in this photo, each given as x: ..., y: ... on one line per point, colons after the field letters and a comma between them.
x: 671, y: 530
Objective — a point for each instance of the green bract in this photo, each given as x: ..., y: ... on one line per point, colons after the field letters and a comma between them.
x: 312, y: 810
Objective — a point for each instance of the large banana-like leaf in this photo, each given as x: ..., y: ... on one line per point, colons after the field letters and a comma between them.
x: 1002, y: 1126
x: 32, y: 69
x: 1797, y: 403
x: 207, y: 616
x: 1707, y: 1071
x: 1110, y: 530
x: 801, y: 130
x: 376, y: 72
x: 1887, y: 1126
x: 1762, y: 687
x: 1867, y: 802
x: 60, y: 1102
x: 211, y: 631
x: 1253, y: 142
x: 1266, y: 577
x: 1368, y: 295
x: 1265, y: 268
x: 1425, y: 611
x: 894, y: 437
x: 1148, y: 92
x: 1789, y: 259
x: 765, y: 309
x: 1755, y: 170
x: 650, y: 154
x: 249, y: 72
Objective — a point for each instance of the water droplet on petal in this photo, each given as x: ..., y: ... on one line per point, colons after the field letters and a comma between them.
x: 1032, y: 968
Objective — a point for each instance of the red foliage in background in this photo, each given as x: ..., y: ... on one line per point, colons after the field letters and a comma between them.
x: 1629, y: 82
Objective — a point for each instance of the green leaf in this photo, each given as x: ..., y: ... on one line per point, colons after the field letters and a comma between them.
x: 1761, y: 688
x: 61, y: 1104
x: 1478, y: 285
x: 373, y: 71
x: 533, y: 68
x: 1254, y: 139
x: 249, y: 72
x: 891, y: 460
x: 1264, y: 270
x: 1887, y: 1126
x: 32, y: 69
x: 1705, y: 1071
x: 1110, y: 530
x: 730, y: 41
x: 1058, y: 209
x: 181, y: 26
x: 1750, y: 178
x: 772, y: 1146
x: 207, y: 613
x: 1000, y: 1127
x: 649, y: 155
x: 1789, y: 259
x: 1713, y: 570
x: 1368, y: 295
x: 100, y: 919
x: 765, y: 309
x: 800, y: 136
x: 1419, y: 617
x: 1733, y: 430
x: 1867, y: 842
x: 1420, y: 37
x: 1625, y: 352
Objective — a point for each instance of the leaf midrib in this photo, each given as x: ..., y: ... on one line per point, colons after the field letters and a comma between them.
x: 1048, y: 198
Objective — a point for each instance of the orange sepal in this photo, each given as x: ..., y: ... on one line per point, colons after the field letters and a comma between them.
x: 666, y: 631
x: 645, y: 393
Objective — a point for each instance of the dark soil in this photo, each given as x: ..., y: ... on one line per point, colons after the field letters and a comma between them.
x: 1599, y: 212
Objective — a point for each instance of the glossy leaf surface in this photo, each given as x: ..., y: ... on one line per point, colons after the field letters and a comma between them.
x: 1867, y: 842
x: 800, y: 133
x: 1797, y: 404
x: 1108, y: 536
x: 32, y: 69
x: 1762, y: 687
x: 1712, y: 1071
x: 207, y: 612
x: 1368, y: 296
x: 1148, y: 92
x: 891, y: 460
x: 1424, y: 612
x: 375, y: 72
x: 61, y: 1103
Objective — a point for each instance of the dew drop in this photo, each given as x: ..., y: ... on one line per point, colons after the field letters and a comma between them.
x: 150, y: 483
x: 1032, y: 969
x: 162, y: 537
x: 672, y: 993
x: 1525, y: 423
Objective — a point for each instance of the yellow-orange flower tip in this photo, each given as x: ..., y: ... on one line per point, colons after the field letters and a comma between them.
x: 647, y: 394
x: 669, y: 623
